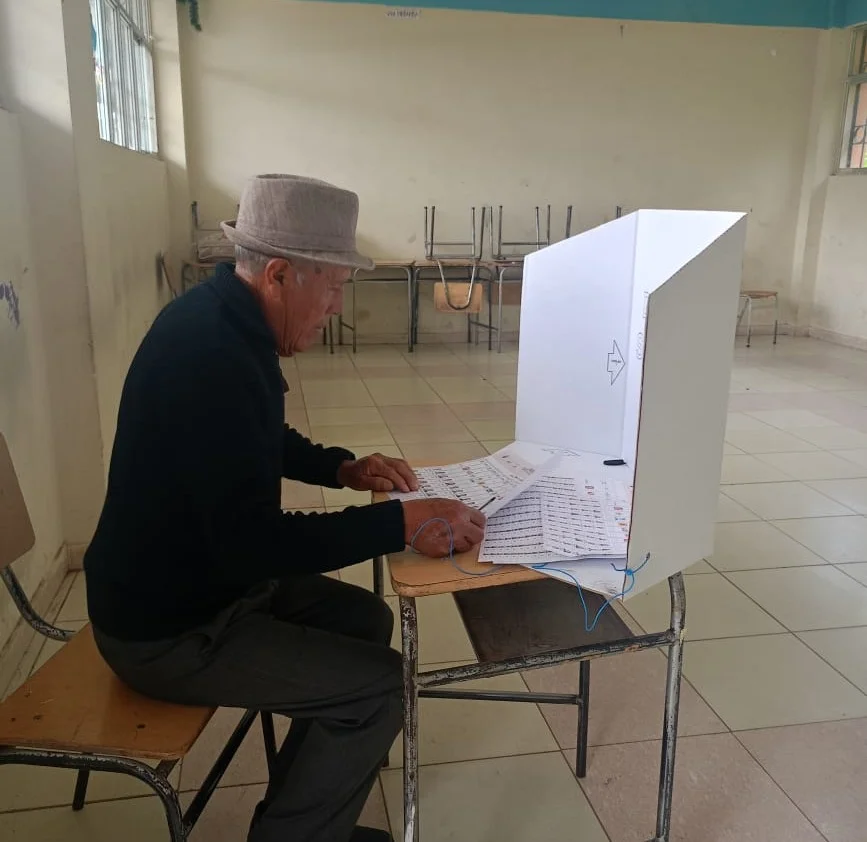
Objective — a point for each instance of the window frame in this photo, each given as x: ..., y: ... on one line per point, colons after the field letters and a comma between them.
x: 124, y: 72
x: 852, y: 99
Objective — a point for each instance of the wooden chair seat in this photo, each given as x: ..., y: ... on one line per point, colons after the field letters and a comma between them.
x: 759, y: 293
x: 76, y: 703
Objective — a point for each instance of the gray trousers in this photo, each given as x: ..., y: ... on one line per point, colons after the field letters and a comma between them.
x: 308, y: 647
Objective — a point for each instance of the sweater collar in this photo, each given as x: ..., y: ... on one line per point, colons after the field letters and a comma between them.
x: 239, y: 298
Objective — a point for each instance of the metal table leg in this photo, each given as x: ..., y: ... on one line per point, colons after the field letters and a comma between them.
x: 672, y: 707
x: 409, y: 629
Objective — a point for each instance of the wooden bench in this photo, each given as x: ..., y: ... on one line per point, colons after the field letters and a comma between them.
x: 74, y: 713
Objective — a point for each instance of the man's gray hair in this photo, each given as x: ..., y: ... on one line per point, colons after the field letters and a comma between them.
x: 252, y: 262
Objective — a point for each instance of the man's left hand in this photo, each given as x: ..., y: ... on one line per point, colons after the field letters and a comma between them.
x: 377, y: 473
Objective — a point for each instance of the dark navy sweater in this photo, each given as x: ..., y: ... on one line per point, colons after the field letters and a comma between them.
x: 192, y: 518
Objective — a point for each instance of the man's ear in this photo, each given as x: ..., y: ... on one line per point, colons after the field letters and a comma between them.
x: 277, y: 272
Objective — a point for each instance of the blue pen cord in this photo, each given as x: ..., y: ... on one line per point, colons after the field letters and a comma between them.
x: 588, y: 626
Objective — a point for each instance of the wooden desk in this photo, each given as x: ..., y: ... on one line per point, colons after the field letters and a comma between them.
x: 504, y: 597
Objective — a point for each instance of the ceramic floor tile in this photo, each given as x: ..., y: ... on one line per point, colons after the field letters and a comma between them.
x: 715, y: 608
x: 395, y: 392
x: 817, y: 465
x: 133, y: 819
x: 858, y: 456
x: 752, y: 546
x: 298, y: 420
x: 763, y: 682
x: 494, y: 446
x: 770, y: 441
x: 806, y: 598
x: 835, y: 539
x: 248, y: 767
x: 730, y: 512
x: 782, y: 500
x: 697, y: 568
x: 362, y: 450
x: 486, y: 411
x: 336, y: 393
x: 747, y: 469
x: 385, y: 372
x: 345, y: 497
x: 442, y: 453
x: 349, y: 435
x: 742, y: 421
x: 465, y: 389
x: 319, y: 416
x: 627, y: 694
x: 433, y: 414
x: 721, y: 794
x: 492, y: 430
x: 823, y: 769
x: 509, y: 799
x: 298, y: 495
x: 361, y: 575
x: 442, y: 432
x: 453, y: 730
x: 442, y: 638
x: 731, y: 450
x: 75, y: 606
x: 792, y: 419
x: 834, y: 438
x: 857, y: 571
x: 849, y: 492
x: 843, y: 649
x: 33, y: 787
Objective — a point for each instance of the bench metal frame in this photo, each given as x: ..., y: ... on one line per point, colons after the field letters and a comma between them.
x: 157, y: 778
x: 424, y: 685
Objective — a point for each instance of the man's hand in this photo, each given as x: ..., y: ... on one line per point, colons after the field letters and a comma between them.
x: 377, y: 473
x: 434, y: 527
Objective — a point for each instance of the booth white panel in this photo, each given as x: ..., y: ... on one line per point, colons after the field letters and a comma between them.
x: 687, y: 370
x: 575, y: 318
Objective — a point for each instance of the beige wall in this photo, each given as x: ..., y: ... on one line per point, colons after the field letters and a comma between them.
x: 840, y: 304
x: 458, y: 108
x: 83, y: 222
x: 24, y: 401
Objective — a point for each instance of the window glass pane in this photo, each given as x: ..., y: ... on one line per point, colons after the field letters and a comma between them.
x: 123, y: 67
x: 857, y: 135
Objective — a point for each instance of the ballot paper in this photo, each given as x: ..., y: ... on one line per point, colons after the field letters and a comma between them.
x: 569, y: 525
x: 489, y: 483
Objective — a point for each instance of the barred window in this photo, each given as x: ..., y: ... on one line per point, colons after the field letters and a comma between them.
x: 123, y: 63
x: 854, y: 155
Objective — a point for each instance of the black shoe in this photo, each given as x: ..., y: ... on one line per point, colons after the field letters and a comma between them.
x: 370, y: 834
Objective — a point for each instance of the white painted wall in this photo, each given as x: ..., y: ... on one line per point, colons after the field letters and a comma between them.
x: 459, y: 108
x: 82, y: 222
x: 24, y: 402
x: 840, y: 304
x: 124, y: 217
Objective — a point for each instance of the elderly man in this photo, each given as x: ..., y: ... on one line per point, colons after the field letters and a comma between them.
x: 200, y: 589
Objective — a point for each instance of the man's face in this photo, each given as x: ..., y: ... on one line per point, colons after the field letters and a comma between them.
x: 298, y: 298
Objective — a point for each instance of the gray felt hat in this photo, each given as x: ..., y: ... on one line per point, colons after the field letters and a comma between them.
x: 293, y: 216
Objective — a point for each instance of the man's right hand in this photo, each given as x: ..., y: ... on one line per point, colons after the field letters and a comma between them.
x: 452, y: 525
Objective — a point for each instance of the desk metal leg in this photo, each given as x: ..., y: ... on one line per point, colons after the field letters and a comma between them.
x: 409, y: 629
x: 500, y: 311
x: 583, y: 719
x: 409, y: 338
x: 672, y: 706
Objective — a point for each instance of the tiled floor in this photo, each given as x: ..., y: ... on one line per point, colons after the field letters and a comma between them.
x: 774, y: 712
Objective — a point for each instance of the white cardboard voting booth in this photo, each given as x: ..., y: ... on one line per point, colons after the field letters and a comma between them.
x: 627, y: 337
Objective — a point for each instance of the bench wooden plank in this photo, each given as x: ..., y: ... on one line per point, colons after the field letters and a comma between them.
x: 76, y: 703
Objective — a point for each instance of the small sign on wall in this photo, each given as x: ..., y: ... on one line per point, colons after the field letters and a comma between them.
x: 403, y: 14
